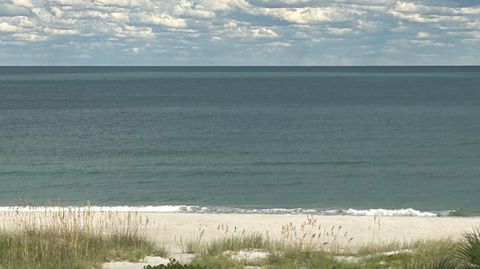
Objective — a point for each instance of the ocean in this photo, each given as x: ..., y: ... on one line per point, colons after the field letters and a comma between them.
x: 242, y: 139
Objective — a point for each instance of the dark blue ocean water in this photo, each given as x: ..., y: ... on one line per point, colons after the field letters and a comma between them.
x: 251, y: 137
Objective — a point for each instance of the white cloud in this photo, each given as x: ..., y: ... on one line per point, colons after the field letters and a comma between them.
x: 233, y: 28
x: 190, y: 9
x: 20, y: 22
x: 469, y: 11
x: 405, y: 7
x: 23, y: 3
x: 128, y: 31
x: 43, y: 14
x: 57, y: 12
x: 413, y: 17
x: 134, y: 50
x: 70, y: 2
x: 61, y: 31
x: 307, y: 15
x: 119, y: 3
x: 225, y: 5
x: 163, y: 19
x: 6, y: 27
x: 423, y: 42
x: 12, y: 10
x: 208, y: 27
x: 367, y: 25
x: 286, y: 1
x: 422, y: 35
x: 474, y: 24
x: 263, y: 32
x: 29, y: 37
x: 339, y: 31
x: 279, y: 44
x: 120, y: 16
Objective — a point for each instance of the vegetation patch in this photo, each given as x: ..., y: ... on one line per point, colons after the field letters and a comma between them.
x: 174, y: 264
x: 431, y: 254
x: 60, y: 249
x: 71, y: 239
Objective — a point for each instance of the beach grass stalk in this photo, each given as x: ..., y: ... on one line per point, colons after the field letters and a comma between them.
x: 71, y: 238
x: 430, y: 254
x: 72, y: 249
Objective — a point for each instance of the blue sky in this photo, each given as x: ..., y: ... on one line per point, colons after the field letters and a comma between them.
x: 239, y: 32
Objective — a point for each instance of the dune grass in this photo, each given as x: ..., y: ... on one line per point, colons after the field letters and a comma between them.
x: 237, y: 243
x: 82, y: 239
x: 68, y: 249
x: 430, y: 254
x: 71, y: 238
x: 427, y: 255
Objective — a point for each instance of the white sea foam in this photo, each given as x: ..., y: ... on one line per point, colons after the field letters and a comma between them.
x: 390, y: 212
x: 224, y: 210
x: 143, y: 209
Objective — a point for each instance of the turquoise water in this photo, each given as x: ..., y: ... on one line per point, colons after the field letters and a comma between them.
x: 252, y: 137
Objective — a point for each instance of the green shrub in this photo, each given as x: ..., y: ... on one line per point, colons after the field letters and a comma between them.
x: 469, y: 250
x: 174, y: 264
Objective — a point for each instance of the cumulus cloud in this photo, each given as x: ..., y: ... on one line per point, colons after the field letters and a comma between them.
x: 339, y: 31
x: 61, y: 31
x: 224, y: 5
x: 29, y: 37
x: 8, y: 9
x: 307, y: 15
x: 422, y: 35
x: 200, y: 29
x: 405, y: 7
x: 6, y: 27
x: 192, y: 9
x: 119, y: 3
x: 23, y: 3
x: 162, y: 19
x: 234, y: 28
x: 128, y: 31
x: 279, y: 44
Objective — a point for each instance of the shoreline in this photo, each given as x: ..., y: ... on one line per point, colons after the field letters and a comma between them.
x: 187, y: 209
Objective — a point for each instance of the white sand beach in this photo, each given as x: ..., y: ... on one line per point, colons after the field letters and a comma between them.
x: 173, y: 230
x: 169, y: 229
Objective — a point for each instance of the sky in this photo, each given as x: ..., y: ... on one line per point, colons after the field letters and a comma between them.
x: 239, y: 32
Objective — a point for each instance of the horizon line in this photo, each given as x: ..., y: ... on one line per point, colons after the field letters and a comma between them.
x: 234, y: 66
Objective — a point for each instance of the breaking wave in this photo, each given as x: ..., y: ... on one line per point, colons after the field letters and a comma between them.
x: 226, y: 210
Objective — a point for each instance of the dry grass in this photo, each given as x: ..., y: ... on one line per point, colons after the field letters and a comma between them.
x: 67, y: 237
x: 309, y: 235
x: 312, y: 245
x: 313, y: 235
x: 82, y: 238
